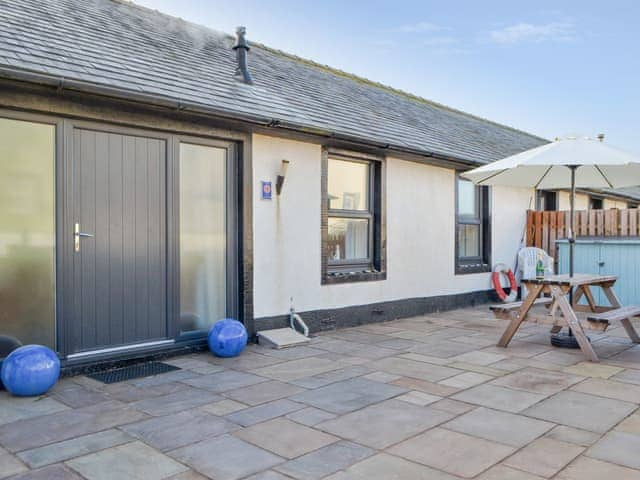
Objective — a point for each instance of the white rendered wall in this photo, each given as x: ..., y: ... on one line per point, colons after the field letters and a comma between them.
x: 420, y: 233
x: 582, y: 201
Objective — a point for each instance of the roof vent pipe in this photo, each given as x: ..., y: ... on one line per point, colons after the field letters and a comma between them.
x: 242, y: 48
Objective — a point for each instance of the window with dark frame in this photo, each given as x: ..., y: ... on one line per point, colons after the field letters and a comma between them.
x: 352, y: 233
x: 547, y: 200
x: 595, y: 203
x: 473, y: 228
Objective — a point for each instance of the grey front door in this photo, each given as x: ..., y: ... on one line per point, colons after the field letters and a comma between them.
x: 115, y: 241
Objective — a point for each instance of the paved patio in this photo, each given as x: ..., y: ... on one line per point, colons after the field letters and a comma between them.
x: 421, y: 398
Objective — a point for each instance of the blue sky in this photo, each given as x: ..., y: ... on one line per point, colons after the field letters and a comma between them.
x: 553, y: 68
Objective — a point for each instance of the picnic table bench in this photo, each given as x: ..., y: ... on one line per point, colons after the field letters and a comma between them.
x: 558, y: 287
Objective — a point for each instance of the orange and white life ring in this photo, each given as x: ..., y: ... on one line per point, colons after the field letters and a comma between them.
x: 502, y: 269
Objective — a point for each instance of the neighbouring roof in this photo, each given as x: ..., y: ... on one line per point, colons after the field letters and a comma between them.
x: 135, y: 50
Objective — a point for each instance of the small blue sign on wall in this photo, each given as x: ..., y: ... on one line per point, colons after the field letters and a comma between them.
x: 266, y: 190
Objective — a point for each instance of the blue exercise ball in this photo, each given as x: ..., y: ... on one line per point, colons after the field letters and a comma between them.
x: 227, y: 338
x: 30, y: 370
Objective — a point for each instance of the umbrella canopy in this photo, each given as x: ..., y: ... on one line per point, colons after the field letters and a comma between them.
x: 597, y: 166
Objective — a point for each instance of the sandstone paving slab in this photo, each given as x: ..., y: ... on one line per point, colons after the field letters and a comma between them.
x: 466, y: 380
x: 10, y: 465
x: 188, y: 475
x: 175, y: 402
x: 77, y: 396
x: 179, y: 429
x: 401, y: 344
x: 224, y: 381
x: 247, y: 360
x: 323, y: 379
x: 618, y: 447
x: 590, y: 369
x: 501, y: 472
x: 472, y: 367
x: 285, y: 437
x: 226, y: 458
x: 452, y: 452
x: 558, y: 358
x: 628, y: 376
x: 13, y: 408
x: 544, y: 457
x: 388, y: 467
x: 584, y: 468
x: 414, y: 369
x: 502, y: 427
x: 268, y: 475
x: 325, y: 461
x: 417, y: 397
x: 443, y: 348
x: 573, y: 435
x: 580, y: 410
x: 418, y: 357
x: 57, y: 427
x: 610, y: 389
x: 133, y: 461
x: 266, y: 411
x: 384, y: 424
x: 356, y: 349
x: 263, y: 392
x: 293, y: 353
x: 75, y: 447
x: 500, y: 398
x: 168, y: 377
x: 128, y: 393
x: 310, y: 416
x: 631, y: 424
x: 52, y: 472
x: 453, y: 406
x: 479, y: 357
x: 294, y: 369
x: 353, y: 335
x: 349, y: 395
x: 382, y: 377
x: 425, y: 386
x: 223, y: 407
x: 537, y: 380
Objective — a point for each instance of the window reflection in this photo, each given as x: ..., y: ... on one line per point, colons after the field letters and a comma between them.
x: 348, y: 185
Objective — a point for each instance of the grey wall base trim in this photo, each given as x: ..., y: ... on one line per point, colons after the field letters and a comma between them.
x: 321, y: 320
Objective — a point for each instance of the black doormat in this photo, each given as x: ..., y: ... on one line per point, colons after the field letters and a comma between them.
x: 137, y: 370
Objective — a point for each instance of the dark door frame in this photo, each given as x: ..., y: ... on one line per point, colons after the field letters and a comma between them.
x: 234, y: 240
x: 241, y: 185
x: 232, y: 227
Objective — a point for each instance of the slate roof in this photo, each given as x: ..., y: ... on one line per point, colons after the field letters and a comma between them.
x: 132, y: 49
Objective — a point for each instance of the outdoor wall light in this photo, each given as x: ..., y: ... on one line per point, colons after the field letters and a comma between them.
x: 280, y: 178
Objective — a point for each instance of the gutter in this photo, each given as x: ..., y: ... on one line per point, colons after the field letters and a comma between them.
x: 61, y: 83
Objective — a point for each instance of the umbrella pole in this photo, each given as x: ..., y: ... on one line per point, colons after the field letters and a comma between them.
x: 572, y: 235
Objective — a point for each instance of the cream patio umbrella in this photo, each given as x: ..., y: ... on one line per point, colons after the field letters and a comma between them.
x: 565, y: 163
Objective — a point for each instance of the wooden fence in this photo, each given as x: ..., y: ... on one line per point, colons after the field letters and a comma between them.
x: 544, y: 228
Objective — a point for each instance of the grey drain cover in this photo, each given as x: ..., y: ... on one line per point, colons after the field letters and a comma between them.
x: 137, y: 370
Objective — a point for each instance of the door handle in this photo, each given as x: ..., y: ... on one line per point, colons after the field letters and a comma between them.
x: 77, y: 234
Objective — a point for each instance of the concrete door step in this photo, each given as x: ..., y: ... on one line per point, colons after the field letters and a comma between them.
x: 281, y: 338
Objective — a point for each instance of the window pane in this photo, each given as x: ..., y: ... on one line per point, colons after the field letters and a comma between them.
x: 467, y: 199
x: 348, y: 238
x: 203, y: 240
x: 348, y: 185
x: 468, y: 241
x: 27, y: 231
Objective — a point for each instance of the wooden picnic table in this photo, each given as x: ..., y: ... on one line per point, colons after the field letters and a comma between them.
x: 558, y: 286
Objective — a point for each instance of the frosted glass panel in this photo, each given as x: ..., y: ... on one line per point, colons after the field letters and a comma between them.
x: 27, y: 231
x: 348, y: 185
x: 467, y: 199
x: 203, y: 239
